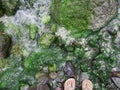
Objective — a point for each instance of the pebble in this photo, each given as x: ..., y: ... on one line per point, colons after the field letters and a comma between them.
x: 69, y: 69
x: 53, y: 75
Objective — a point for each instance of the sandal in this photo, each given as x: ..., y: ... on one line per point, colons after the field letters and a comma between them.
x: 69, y: 84
x: 87, y: 85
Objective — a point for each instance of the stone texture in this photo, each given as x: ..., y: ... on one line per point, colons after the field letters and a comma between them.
x: 116, y: 81
x: 104, y: 11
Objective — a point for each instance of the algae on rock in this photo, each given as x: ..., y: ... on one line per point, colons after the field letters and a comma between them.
x: 32, y: 31
x: 83, y: 15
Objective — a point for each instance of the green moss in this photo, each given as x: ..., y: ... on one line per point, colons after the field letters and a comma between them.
x: 30, y: 63
x: 46, y: 19
x: 8, y: 79
x: 32, y: 31
x: 54, y: 28
x: 2, y: 27
x: 46, y: 40
x: 3, y: 85
x: 79, y: 52
x: 52, y: 67
x: 70, y: 48
x: 47, y: 57
x: 72, y: 15
x: 31, y: 2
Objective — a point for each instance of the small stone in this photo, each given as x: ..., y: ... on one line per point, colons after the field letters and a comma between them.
x: 39, y: 75
x: 32, y: 88
x: 60, y: 76
x: 45, y: 69
x: 112, y: 30
x: 69, y: 69
x: 43, y: 87
x: 26, y: 87
x: 44, y: 80
x: 53, y: 75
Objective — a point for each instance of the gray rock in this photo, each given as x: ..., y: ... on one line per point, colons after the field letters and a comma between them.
x: 112, y: 30
x: 69, y: 69
x: 104, y: 10
x: 26, y: 87
x: 116, y: 81
x: 83, y: 76
x: 43, y: 87
x: 32, y: 88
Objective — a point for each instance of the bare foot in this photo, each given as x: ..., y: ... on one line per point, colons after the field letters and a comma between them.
x: 69, y: 84
x: 87, y: 85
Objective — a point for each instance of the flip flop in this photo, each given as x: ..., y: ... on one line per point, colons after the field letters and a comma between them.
x: 87, y: 85
x: 69, y: 84
x: 58, y: 88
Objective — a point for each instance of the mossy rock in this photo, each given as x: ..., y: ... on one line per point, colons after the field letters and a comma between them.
x: 81, y: 15
x: 32, y: 31
x: 46, y: 40
x: 10, y: 6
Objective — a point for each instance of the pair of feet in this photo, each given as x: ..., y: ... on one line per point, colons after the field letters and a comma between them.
x: 70, y: 84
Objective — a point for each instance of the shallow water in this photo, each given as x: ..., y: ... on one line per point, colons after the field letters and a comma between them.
x: 28, y: 57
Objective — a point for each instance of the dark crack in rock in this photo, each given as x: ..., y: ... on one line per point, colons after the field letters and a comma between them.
x: 116, y: 81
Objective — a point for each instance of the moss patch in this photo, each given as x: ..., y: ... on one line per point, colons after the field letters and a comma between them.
x: 72, y: 15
